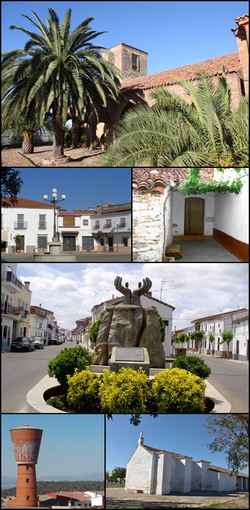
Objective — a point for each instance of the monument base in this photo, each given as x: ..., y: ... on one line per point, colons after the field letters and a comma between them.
x: 55, y: 247
x: 129, y: 357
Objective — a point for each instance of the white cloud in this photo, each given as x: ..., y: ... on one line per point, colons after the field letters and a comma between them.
x: 195, y: 290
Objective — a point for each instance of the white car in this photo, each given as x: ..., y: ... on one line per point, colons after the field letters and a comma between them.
x: 37, y: 342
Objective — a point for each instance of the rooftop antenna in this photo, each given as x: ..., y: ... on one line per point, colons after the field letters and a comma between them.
x: 102, y: 195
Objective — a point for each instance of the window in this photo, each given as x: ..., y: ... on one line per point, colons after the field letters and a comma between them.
x: 108, y: 223
x: 125, y: 241
x: 27, y: 498
x: 122, y: 222
x: 135, y: 62
x: 20, y: 220
x: 27, y: 468
x: 42, y: 221
x: 85, y: 222
x: 97, y: 224
x: 27, y: 480
x: 68, y: 222
x: 41, y: 241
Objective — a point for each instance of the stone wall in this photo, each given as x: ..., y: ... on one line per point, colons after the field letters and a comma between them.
x: 131, y: 61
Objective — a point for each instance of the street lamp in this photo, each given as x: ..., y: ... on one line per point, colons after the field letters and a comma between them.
x: 54, y: 202
x: 117, y: 225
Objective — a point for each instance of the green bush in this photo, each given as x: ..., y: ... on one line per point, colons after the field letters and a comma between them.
x: 84, y: 138
x: 193, y: 364
x: 178, y: 391
x: 55, y: 402
x: 125, y: 391
x: 67, y: 361
x: 93, y: 332
x: 162, y: 324
x: 83, y: 389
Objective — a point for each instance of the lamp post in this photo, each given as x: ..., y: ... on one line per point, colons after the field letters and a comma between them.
x: 54, y: 201
x: 117, y: 225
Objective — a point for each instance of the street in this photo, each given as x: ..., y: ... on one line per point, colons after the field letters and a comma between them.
x: 80, y: 257
x: 230, y: 378
x: 21, y: 371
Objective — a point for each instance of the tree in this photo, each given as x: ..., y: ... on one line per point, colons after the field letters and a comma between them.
x: 10, y: 186
x: 198, y: 335
x: 211, y: 339
x: 98, y: 236
x: 227, y: 336
x: 204, y: 133
x: 194, y: 182
x: 118, y: 475
x: 62, y: 70
x: 232, y: 437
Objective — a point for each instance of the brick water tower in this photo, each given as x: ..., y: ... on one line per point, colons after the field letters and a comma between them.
x: 26, y: 443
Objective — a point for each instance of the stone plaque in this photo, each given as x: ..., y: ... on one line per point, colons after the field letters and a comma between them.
x: 129, y: 354
x: 208, y: 219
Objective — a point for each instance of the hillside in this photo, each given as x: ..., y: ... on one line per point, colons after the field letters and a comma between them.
x: 46, y: 487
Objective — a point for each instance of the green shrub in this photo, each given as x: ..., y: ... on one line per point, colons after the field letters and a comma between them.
x: 83, y: 389
x: 125, y: 391
x: 178, y: 391
x: 93, y: 332
x: 162, y: 324
x: 193, y: 364
x: 67, y: 361
x: 55, y: 402
x: 84, y: 138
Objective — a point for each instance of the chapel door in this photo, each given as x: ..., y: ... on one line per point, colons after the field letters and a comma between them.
x: 194, y: 216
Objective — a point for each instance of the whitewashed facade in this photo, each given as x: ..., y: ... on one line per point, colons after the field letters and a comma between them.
x: 153, y: 471
x: 42, y: 323
x: 241, y: 337
x: 11, y: 286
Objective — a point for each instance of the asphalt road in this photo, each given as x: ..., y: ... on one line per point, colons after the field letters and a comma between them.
x: 21, y: 371
x: 231, y: 379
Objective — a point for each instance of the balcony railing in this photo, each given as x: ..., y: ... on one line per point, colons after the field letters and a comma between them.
x: 42, y: 224
x: 96, y: 226
x: 107, y: 225
x: 120, y: 225
x: 20, y: 224
x: 8, y: 276
x: 7, y: 308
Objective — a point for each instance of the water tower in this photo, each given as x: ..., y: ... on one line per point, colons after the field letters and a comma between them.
x: 26, y: 443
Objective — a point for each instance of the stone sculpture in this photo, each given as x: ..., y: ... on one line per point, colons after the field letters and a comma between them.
x: 130, y: 325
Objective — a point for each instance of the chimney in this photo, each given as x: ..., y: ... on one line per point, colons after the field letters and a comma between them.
x: 27, y: 284
x: 242, y: 35
x: 141, y: 439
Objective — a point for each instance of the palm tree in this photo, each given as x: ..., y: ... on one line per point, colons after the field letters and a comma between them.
x: 59, y: 68
x: 205, y: 133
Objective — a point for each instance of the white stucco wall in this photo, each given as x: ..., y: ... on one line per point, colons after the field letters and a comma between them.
x: 231, y: 211
x: 178, y: 214
x: 150, y: 211
x: 31, y: 232
x: 138, y: 472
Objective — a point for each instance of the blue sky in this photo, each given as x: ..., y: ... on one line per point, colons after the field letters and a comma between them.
x: 173, y: 33
x: 82, y: 186
x: 71, y: 445
x: 183, y: 434
x: 195, y: 290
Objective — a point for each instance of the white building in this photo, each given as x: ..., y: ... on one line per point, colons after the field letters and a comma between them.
x: 161, y: 214
x: 42, y: 323
x: 153, y: 471
x: 11, y: 285
x: 164, y: 309
x: 33, y: 221
x: 218, y: 323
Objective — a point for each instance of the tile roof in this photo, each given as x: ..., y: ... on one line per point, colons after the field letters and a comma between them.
x: 66, y: 213
x: 155, y: 450
x: 224, y: 314
x: 224, y: 470
x: 85, y: 211
x: 34, y: 309
x: 211, y: 66
x: 157, y: 179
x: 26, y: 202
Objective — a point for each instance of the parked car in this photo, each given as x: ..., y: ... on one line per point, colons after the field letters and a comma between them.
x: 38, y: 342
x: 22, y: 344
x: 54, y: 340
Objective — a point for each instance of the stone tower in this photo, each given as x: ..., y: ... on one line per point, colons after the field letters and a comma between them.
x: 131, y: 61
x: 242, y: 35
x: 26, y: 444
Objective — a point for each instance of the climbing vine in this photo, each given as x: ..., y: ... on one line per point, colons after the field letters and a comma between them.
x: 193, y: 183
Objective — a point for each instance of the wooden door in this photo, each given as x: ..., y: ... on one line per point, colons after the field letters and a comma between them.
x: 20, y: 245
x: 194, y: 214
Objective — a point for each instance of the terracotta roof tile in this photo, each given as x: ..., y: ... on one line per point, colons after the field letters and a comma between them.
x: 66, y: 213
x: 224, y: 470
x: 157, y: 179
x: 85, y: 211
x: 212, y: 66
x: 26, y: 202
x: 218, y: 315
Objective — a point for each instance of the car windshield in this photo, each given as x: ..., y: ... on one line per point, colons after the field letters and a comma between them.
x: 26, y: 340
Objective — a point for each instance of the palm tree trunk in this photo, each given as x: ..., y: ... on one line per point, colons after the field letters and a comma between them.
x: 58, y: 133
x: 28, y: 144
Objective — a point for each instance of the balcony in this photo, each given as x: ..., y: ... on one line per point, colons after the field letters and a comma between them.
x: 20, y: 224
x: 11, y: 282
x: 7, y: 308
x: 42, y: 225
x: 120, y: 225
x: 107, y: 225
x: 96, y: 226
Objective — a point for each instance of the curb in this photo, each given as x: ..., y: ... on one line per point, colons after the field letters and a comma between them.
x: 35, y: 402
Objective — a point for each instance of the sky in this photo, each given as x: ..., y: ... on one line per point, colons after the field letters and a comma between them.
x: 184, y: 434
x: 172, y: 33
x: 71, y: 444
x: 83, y: 187
x: 195, y: 290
